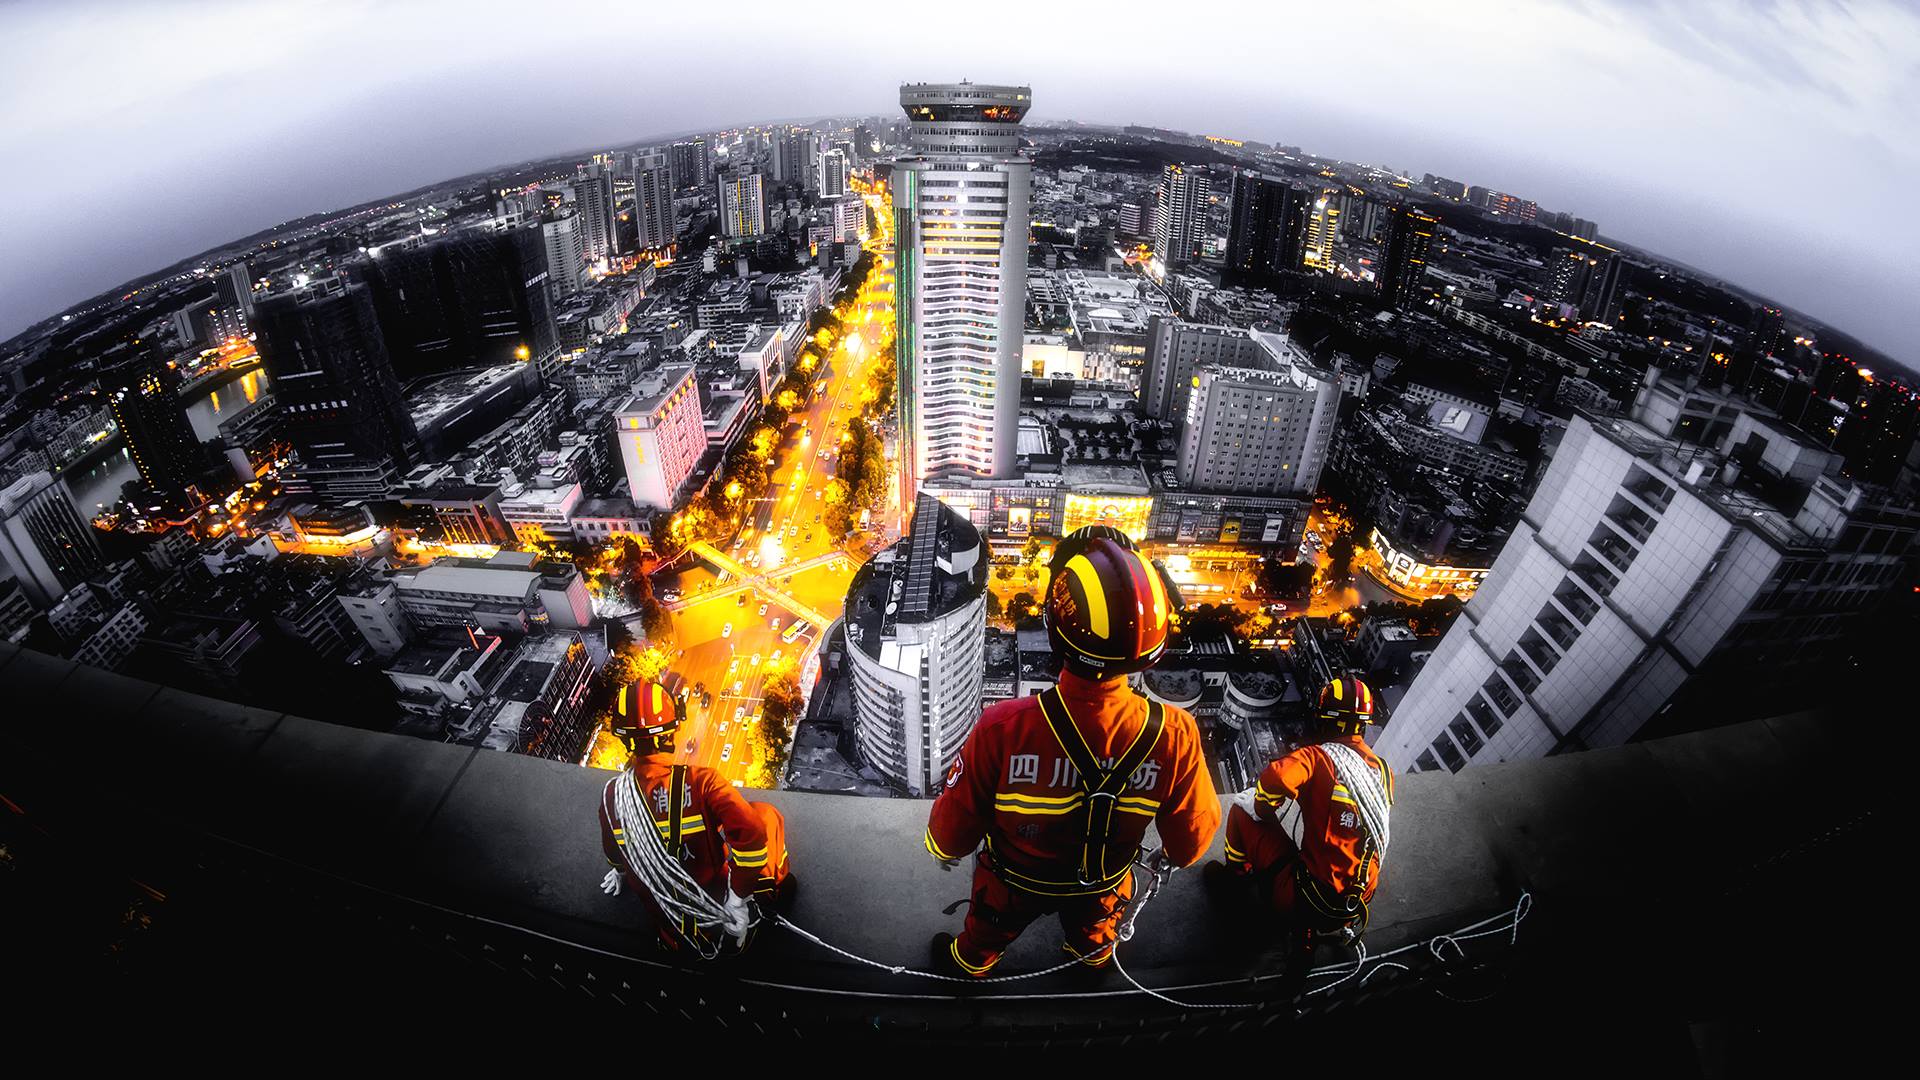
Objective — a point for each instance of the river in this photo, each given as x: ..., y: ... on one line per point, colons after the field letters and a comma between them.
x: 99, y: 484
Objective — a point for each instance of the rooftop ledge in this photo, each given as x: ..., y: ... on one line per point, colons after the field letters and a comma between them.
x: 491, y: 862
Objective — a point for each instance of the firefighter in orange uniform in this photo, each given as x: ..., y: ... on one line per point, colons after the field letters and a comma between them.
x: 1056, y: 791
x: 1322, y: 883
x: 732, y: 849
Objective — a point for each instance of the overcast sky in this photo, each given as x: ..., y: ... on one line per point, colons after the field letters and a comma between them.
x: 1771, y: 144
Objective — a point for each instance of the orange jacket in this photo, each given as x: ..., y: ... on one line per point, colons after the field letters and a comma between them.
x: 1015, y: 788
x: 1330, y: 820
x: 716, y: 824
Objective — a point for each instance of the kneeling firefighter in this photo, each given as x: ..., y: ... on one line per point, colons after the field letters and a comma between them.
x: 1056, y: 791
x: 1321, y: 883
x: 705, y: 836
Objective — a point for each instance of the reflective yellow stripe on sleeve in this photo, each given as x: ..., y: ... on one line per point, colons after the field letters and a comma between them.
x: 934, y: 849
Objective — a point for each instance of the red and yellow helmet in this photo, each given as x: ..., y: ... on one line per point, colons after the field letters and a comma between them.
x: 1109, y: 610
x: 1346, y: 705
x: 645, y: 708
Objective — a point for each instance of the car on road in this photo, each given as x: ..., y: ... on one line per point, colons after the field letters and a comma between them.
x: 763, y: 609
x: 740, y: 600
x: 816, y: 519
x: 776, y: 622
x: 738, y: 714
x: 723, y: 727
x: 726, y: 752
x: 737, y: 687
x: 727, y: 630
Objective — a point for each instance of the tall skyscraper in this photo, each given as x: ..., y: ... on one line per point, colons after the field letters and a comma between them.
x: 1323, y: 231
x: 742, y: 201
x: 793, y: 157
x: 340, y: 402
x: 916, y: 621
x: 1267, y: 226
x: 691, y: 163
x: 593, y: 192
x: 566, y: 254
x: 234, y: 287
x: 1648, y: 588
x: 143, y: 395
x: 1180, y: 215
x: 44, y: 541
x: 960, y: 284
x: 833, y: 174
x: 1409, y: 237
x: 653, y: 215
x: 475, y: 297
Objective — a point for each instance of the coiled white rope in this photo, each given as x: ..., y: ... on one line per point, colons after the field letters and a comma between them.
x: 678, y: 896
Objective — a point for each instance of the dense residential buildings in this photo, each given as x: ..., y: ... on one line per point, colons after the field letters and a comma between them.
x: 960, y: 201
x: 915, y: 625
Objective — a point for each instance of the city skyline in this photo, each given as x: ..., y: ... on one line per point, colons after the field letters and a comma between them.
x: 1786, y: 125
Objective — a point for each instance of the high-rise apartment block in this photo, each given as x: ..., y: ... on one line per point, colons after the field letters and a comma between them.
x: 1652, y: 587
x: 833, y: 174
x: 793, y: 151
x: 566, y: 254
x: 742, y: 201
x: 655, y: 225
x: 340, y: 401
x: 44, y: 542
x: 477, y: 297
x: 144, y: 398
x: 661, y: 436
x: 1323, y: 231
x: 960, y: 202
x: 593, y: 194
x: 916, y: 620
x: 1267, y: 228
x: 1409, y: 240
x: 690, y: 163
x: 1180, y: 214
x: 1262, y: 429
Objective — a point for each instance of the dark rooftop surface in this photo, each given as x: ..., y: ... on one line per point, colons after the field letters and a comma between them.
x: 299, y: 858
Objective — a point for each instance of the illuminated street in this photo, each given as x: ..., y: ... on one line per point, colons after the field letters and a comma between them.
x: 731, y: 638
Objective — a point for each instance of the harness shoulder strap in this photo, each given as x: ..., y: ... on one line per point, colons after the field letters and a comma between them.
x: 676, y: 803
x: 1099, y: 786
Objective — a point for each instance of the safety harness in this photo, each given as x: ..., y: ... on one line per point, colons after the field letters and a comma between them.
x: 1347, y: 911
x: 1100, y: 790
x: 658, y: 866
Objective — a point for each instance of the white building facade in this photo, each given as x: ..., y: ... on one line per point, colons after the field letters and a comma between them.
x: 661, y: 436
x: 961, y: 207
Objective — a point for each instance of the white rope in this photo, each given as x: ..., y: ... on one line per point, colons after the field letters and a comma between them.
x: 678, y: 896
x: 1364, y: 784
x: 1509, y: 923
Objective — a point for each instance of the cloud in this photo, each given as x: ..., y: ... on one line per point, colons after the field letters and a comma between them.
x: 1762, y: 141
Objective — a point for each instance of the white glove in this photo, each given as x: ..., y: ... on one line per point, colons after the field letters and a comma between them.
x: 739, y: 917
x: 1243, y: 800
x: 611, y: 883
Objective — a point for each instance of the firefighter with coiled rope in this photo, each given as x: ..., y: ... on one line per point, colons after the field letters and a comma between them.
x: 1320, y: 873
x: 732, y: 850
